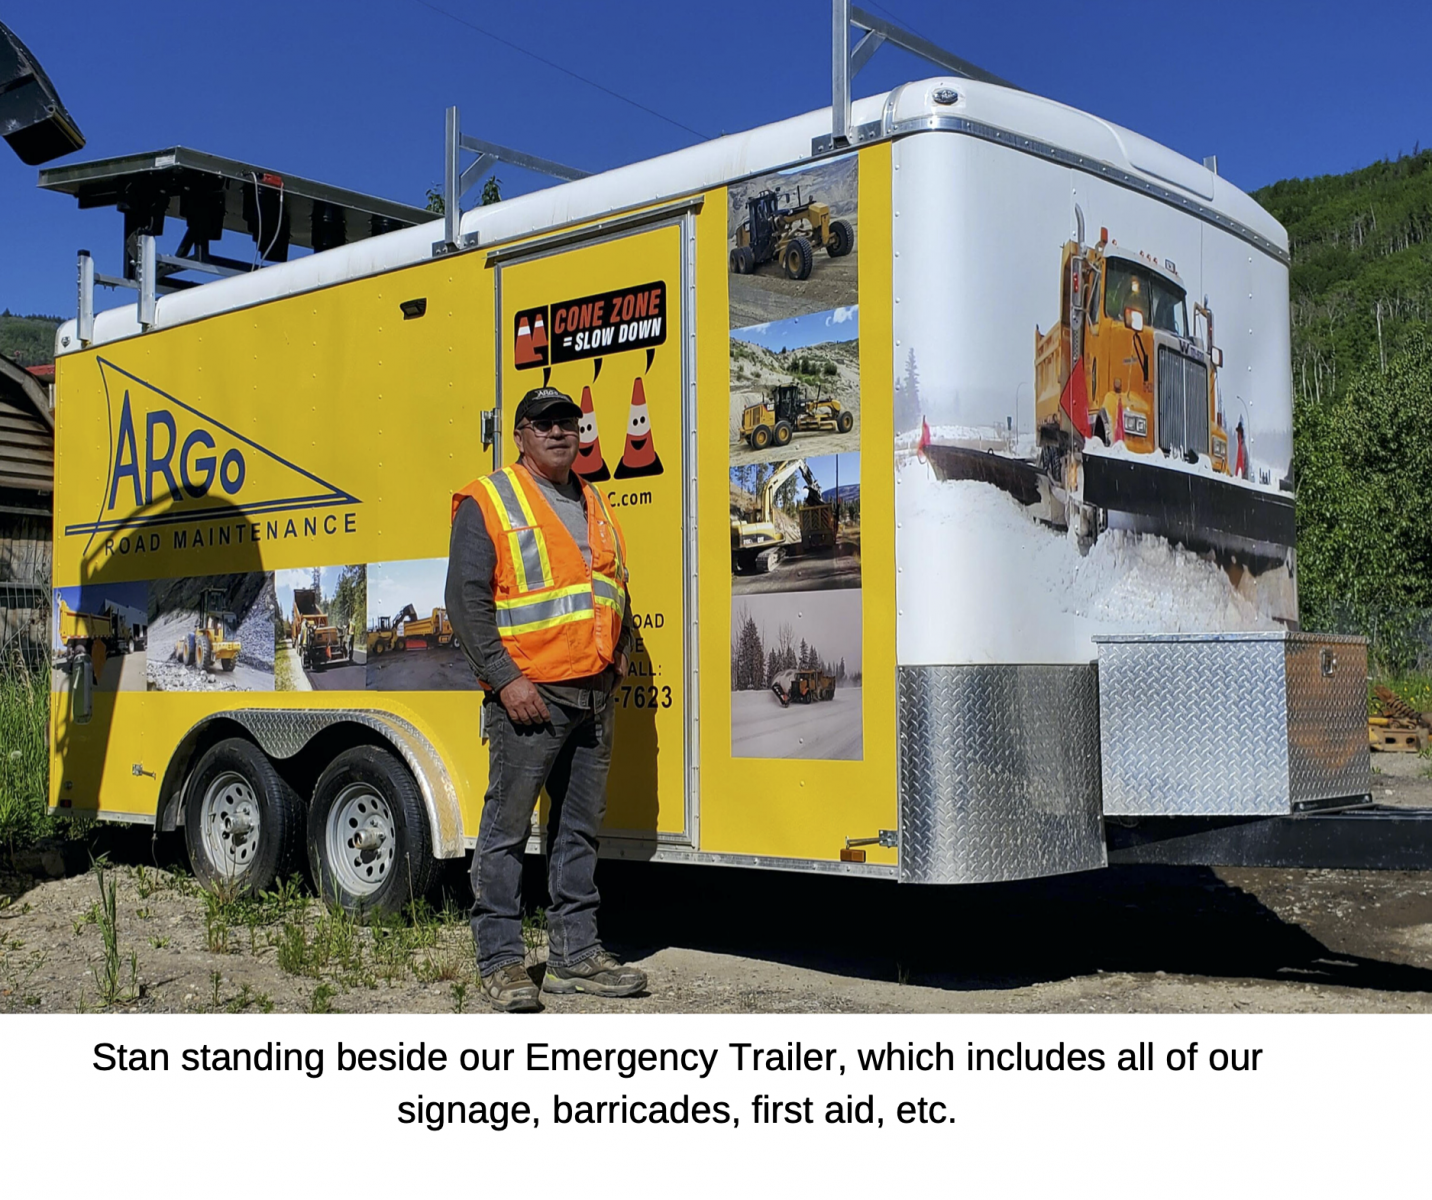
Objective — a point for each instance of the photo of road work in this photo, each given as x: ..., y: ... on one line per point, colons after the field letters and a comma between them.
x: 796, y: 675
x: 410, y: 645
x: 105, y: 625
x: 323, y: 612
x: 793, y: 242
x: 795, y: 387
x: 212, y: 633
x: 795, y: 525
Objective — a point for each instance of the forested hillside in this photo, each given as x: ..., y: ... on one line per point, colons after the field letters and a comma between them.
x: 1361, y: 291
x: 28, y: 341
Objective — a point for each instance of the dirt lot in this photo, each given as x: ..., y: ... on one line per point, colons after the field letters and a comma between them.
x: 1124, y: 940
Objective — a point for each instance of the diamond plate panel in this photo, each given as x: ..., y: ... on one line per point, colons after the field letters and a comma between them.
x: 999, y: 773
x: 282, y: 733
x: 1327, y: 719
x: 1230, y: 724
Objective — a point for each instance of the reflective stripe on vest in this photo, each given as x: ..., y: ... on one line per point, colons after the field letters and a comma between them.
x: 528, y: 542
x: 553, y: 607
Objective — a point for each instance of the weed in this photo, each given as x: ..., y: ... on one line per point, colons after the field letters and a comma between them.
x: 24, y: 768
x: 145, y: 882
x: 459, y: 997
x: 218, y: 915
x: 144, y: 914
x: 902, y: 975
x: 215, y: 980
x: 248, y: 998
x: 534, y: 930
x: 91, y: 917
x: 159, y: 942
x: 110, y: 977
x: 322, y: 999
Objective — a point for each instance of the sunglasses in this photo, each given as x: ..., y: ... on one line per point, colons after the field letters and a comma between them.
x: 546, y: 425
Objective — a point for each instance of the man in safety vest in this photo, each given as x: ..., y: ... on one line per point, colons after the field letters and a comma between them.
x: 537, y: 595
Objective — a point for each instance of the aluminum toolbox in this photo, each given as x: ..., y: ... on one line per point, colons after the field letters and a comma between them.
x: 1234, y: 724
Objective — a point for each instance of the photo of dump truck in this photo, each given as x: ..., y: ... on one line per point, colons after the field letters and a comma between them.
x: 106, y: 626
x: 409, y: 651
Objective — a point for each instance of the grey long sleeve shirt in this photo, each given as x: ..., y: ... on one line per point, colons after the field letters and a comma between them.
x: 472, y: 609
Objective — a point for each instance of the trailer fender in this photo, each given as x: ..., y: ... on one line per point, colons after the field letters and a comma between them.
x: 283, y: 733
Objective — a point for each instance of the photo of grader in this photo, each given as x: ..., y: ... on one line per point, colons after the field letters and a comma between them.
x: 787, y: 411
x: 788, y: 235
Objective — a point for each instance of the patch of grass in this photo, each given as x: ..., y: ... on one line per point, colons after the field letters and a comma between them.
x: 534, y: 929
x: 459, y: 997
x: 322, y: 999
x: 159, y: 942
x: 24, y: 759
x: 109, y: 977
x: 248, y: 998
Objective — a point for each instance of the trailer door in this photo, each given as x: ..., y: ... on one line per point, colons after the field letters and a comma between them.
x: 601, y: 317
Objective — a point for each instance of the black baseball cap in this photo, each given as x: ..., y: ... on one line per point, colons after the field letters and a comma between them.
x: 544, y: 402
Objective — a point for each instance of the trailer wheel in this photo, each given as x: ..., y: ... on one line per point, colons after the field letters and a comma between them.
x: 798, y: 259
x: 760, y: 437
x: 784, y: 432
x: 846, y: 421
x: 243, y: 824
x: 368, y: 840
x: 842, y: 239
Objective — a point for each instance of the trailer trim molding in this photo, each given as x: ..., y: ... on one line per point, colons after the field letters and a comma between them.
x: 999, y: 772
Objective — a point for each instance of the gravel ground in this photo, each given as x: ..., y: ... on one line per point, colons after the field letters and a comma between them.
x: 1147, y: 939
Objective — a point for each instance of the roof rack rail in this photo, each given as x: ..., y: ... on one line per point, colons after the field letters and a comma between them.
x: 845, y: 64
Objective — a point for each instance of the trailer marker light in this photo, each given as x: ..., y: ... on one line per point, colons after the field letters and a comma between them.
x: 414, y: 308
x: 849, y: 855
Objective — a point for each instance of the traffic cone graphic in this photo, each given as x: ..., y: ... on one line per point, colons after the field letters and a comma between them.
x: 639, y: 456
x: 539, y: 334
x: 590, y: 464
x: 525, y: 355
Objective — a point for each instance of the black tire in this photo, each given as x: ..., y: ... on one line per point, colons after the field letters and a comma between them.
x: 191, y: 654
x: 377, y: 649
x: 845, y: 422
x: 743, y: 260
x: 842, y: 239
x: 784, y: 432
x: 235, y: 781
x: 369, y: 787
x: 761, y: 437
x: 798, y: 259
x: 228, y: 663
x: 208, y: 654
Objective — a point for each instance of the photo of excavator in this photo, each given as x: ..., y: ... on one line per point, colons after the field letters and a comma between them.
x: 789, y: 532
x: 757, y: 545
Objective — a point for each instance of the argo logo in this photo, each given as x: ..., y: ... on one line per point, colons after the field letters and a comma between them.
x: 170, y: 463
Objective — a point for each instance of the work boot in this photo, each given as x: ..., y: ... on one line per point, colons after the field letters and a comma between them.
x: 510, y: 989
x: 600, y: 975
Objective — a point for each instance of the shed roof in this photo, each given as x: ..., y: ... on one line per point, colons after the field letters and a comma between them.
x: 27, y: 431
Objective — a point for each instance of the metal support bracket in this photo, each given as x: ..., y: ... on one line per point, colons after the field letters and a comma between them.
x: 457, y: 181
x: 846, y: 63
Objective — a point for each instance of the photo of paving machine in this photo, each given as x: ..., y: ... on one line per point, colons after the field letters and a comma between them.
x: 787, y: 411
x: 318, y: 643
x: 777, y: 231
x: 210, y: 645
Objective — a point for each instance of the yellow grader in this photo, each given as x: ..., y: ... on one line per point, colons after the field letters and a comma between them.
x: 786, y: 412
x: 788, y: 235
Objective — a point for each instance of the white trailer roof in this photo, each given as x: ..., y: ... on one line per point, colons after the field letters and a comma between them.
x: 1022, y: 121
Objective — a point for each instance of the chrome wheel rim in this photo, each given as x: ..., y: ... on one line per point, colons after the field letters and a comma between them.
x: 361, y: 839
x: 230, y: 824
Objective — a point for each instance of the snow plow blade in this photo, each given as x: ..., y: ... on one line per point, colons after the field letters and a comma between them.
x: 1020, y: 479
x: 1187, y: 507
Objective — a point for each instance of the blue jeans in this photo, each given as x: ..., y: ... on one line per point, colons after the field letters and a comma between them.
x: 570, y: 755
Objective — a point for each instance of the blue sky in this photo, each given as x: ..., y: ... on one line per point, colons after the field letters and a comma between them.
x: 795, y: 333
x: 302, y: 577
x: 353, y: 92
x: 419, y: 582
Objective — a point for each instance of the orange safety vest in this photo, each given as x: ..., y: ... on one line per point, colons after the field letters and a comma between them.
x: 558, y: 618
